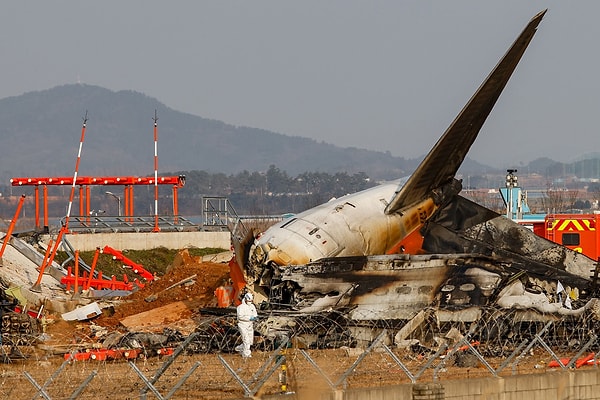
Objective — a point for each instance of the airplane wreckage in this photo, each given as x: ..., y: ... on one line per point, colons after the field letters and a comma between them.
x: 412, y: 256
x: 415, y: 250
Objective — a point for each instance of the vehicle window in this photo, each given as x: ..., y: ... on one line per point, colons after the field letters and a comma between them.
x: 570, y: 239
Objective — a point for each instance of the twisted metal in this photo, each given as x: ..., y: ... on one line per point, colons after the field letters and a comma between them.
x: 498, y: 331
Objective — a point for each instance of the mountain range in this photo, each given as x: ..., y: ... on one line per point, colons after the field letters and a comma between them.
x: 41, y: 134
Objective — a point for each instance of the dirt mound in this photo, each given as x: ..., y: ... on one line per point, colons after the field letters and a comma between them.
x: 196, y: 293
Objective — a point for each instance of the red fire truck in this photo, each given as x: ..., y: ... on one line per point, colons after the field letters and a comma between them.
x: 575, y: 231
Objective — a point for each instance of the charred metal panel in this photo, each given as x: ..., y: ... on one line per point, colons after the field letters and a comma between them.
x: 464, y: 226
x: 397, y: 287
x: 392, y: 286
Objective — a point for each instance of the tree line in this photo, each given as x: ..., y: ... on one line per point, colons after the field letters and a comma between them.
x: 273, y: 191
x: 269, y: 192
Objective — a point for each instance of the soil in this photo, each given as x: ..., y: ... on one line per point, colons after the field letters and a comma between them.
x: 195, y: 294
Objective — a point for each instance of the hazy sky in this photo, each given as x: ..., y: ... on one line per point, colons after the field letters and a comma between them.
x: 380, y: 75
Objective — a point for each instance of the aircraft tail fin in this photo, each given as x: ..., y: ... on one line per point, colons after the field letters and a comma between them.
x: 443, y: 161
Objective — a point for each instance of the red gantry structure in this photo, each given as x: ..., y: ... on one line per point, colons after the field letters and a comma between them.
x: 84, y: 183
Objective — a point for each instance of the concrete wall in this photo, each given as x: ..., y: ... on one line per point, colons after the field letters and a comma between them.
x: 149, y: 240
x: 581, y: 384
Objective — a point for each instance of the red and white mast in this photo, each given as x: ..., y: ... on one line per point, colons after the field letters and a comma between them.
x: 156, y: 228
x: 49, y: 258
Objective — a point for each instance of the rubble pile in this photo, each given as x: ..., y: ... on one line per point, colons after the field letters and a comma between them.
x: 195, y: 294
x: 169, y: 302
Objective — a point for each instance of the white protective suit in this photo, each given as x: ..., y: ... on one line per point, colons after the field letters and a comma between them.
x: 246, y: 312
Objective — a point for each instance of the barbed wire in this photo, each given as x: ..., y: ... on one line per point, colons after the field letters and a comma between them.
x: 320, y: 351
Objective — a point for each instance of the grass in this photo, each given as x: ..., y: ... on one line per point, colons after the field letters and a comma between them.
x: 155, y: 260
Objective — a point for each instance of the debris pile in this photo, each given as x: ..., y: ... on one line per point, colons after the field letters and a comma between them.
x: 193, y: 294
x: 168, y: 303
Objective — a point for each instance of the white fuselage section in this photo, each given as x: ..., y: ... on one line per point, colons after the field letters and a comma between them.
x: 352, y: 225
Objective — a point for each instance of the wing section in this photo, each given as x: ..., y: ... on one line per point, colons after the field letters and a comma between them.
x: 441, y: 164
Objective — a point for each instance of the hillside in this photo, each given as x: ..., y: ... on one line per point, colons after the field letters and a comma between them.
x: 42, y: 130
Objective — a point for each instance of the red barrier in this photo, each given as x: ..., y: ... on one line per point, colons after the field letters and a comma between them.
x: 137, y: 268
x: 587, y: 360
x: 104, y: 354
x: 99, y: 283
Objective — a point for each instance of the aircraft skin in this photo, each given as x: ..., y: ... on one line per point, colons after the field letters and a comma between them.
x: 376, y: 220
x: 352, y: 225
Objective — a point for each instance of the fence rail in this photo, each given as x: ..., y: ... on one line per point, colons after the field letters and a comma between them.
x: 114, y: 224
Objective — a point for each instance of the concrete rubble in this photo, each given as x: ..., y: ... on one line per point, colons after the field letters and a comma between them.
x: 19, y: 273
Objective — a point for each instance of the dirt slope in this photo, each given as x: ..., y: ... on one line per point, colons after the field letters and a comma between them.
x: 196, y: 294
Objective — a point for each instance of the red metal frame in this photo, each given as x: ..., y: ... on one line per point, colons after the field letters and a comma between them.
x: 137, y: 268
x: 85, y: 182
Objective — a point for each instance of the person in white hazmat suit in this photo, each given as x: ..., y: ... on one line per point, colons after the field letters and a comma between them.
x: 246, y: 315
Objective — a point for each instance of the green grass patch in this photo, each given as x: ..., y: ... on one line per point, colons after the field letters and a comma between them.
x: 155, y: 260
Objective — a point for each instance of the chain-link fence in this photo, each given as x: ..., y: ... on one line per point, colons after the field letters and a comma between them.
x: 308, y: 354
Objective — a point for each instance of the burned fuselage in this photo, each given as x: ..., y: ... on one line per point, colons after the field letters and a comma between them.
x: 387, y: 287
x: 476, y: 259
x: 377, y: 220
x: 352, y: 225
x: 347, y: 254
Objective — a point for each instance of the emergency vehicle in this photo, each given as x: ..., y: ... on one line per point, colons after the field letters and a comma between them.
x: 575, y: 231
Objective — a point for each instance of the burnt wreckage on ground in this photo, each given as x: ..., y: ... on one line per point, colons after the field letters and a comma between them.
x: 414, y: 252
